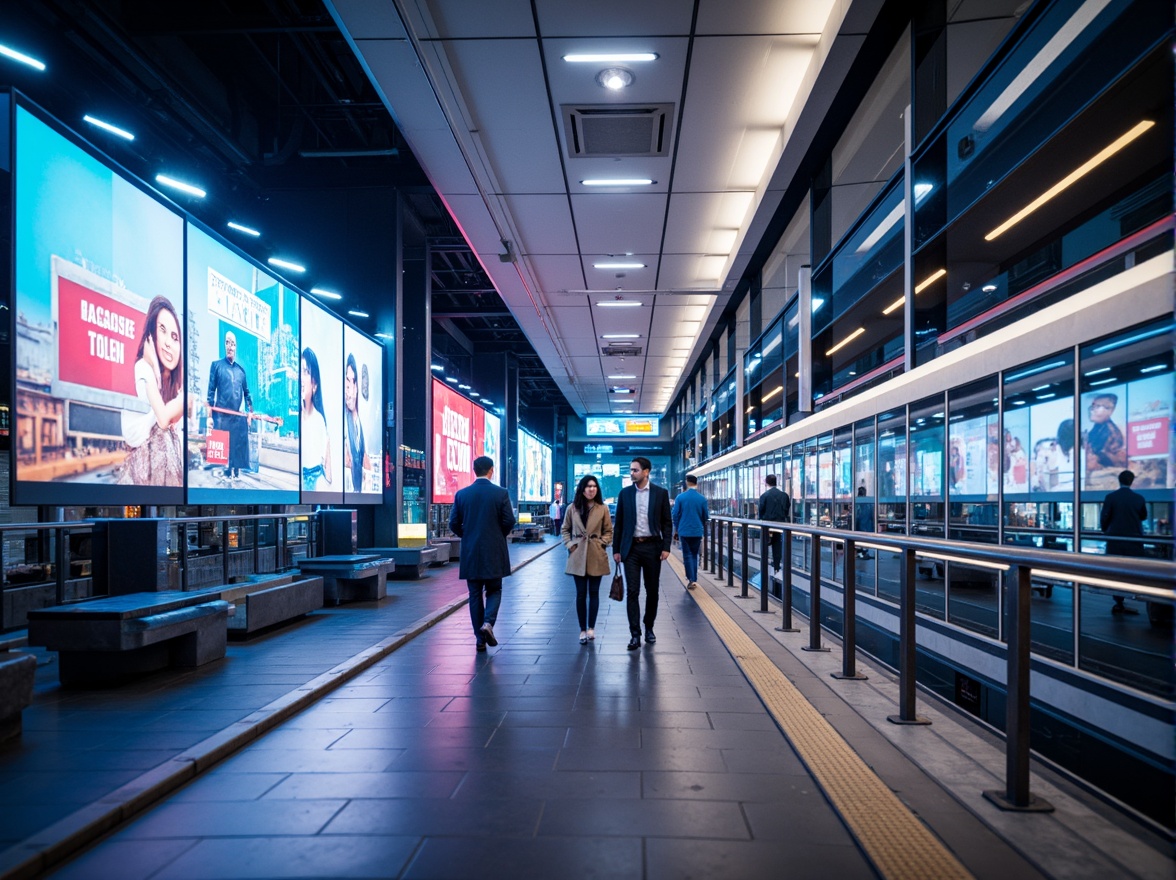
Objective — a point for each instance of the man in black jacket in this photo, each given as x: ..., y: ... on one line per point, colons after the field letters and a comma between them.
x: 774, y: 506
x: 1123, y: 514
x: 642, y: 533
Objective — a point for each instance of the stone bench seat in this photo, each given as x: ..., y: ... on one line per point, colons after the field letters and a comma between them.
x: 16, y: 690
x: 443, y: 555
x: 359, y: 577
x: 109, y: 639
x: 266, y: 601
x: 411, y: 562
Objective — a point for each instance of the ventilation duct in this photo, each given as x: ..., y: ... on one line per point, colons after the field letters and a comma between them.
x: 617, y: 130
x: 621, y: 350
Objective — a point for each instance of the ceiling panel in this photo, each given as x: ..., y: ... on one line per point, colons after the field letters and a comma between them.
x: 476, y: 225
x: 574, y: 323
x: 618, y: 20
x: 556, y: 273
x: 757, y: 17
x: 365, y: 20
x: 632, y: 224
x: 685, y: 271
x: 462, y: 19
x: 544, y: 224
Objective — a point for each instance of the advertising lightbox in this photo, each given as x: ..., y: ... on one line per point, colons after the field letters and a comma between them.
x: 99, y: 284
x: 462, y: 431
x: 320, y: 390
x: 363, y: 409
x: 534, y: 469
x: 622, y: 426
x: 1127, y: 426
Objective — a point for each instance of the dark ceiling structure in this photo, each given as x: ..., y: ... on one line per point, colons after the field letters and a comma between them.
x: 264, y: 97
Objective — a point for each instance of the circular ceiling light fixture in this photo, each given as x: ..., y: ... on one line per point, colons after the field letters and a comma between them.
x: 615, y: 78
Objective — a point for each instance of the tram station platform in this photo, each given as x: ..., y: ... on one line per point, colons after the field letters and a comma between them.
x: 370, y: 740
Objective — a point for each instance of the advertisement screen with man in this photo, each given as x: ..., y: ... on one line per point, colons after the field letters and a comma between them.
x: 99, y: 302
x: 363, y: 412
x: 243, y: 420
x: 321, y: 405
x: 1127, y: 426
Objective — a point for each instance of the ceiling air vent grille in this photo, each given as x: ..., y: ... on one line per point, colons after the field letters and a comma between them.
x: 621, y: 350
x: 617, y: 130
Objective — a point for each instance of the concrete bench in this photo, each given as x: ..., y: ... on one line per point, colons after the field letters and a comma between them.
x: 528, y: 533
x: 16, y: 690
x: 109, y: 639
x: 350, y: 578
x: 411, y: 562
x: 443, y: 554
x: 454, y: 547
x: 266, y: 601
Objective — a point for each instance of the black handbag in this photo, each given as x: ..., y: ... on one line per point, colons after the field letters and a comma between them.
x: 617, y: 590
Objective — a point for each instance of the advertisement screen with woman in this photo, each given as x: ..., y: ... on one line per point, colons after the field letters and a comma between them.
x: 320, y: 408
x: 99, y: 300
x: 242, y: 379
x: 363, y: 411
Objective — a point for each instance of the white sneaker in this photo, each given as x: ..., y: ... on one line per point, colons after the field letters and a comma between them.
x: 692, y: 585
x: 591, y: 634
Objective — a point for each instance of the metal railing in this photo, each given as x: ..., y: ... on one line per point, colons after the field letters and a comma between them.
x: 1151, y: 579
x: 50, y: 549
x: 281, y: 542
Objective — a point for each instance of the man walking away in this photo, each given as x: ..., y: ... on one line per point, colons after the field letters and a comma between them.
x: 482, y: 517
x: 774, y: 506
x: 641, y: 539
x: 1123, y: 515
x: 690, y: 516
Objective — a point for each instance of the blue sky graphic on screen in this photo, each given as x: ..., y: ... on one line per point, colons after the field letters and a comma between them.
x: 243, y: 357
x: 99, y: 392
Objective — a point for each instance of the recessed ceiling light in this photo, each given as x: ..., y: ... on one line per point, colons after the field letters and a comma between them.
x: 988, y: 288
x: 615, y: 78
x: 452, y: 380
x: 618, y: 181
x: 464, y: 387
x: 475, y: 394
x: 608, y: 57
x: 28, y: 59
x: 326, y: 294
x: 285, y: 264
x: 622, y: 304
x: 618, y: 265
x: 357, y: 313
x: 106, y: 126
x: 437, y: 368
x: 180, y: 185
x: 248, y: 230
x: 626, y: 376
x: 621, y: 336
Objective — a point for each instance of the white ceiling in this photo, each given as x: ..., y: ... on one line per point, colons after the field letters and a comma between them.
x: 476, y: 87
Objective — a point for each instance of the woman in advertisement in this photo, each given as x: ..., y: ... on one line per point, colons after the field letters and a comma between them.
x: 316, y: 443
x: 354, y: 456
x: 156, y: 455
x: 587, y: 533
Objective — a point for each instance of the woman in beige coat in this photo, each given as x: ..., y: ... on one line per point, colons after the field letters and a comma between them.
x: 587, y: 533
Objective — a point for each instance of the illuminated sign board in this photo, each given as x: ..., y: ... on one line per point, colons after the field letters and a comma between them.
x: 622, y: 426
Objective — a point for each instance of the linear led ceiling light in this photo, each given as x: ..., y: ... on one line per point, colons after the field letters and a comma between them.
x: 452, y: 380
x: 383, y: 335
x: 248, y: 230
x: 618, y: 265
x: 622, y: 377
x: 1073, y: 177
x: 180, y: 185
x: 618, y: 181
x: 846, y: 341
x: 771, y: 394
x: 621, y: 336
x: 285, y: 264
x: 358, y: 314
x: 919, y: 288
x: 437, y: 368
x: 621, y: 304
x: 921, y: 190
x: 106, y: 126
x: 608, y: 57
x: 27, y: 59
x: 325, y: 294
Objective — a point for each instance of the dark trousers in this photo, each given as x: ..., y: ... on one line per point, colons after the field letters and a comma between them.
x: 643, y: 561
x: 776, y: 540
x: 690, y: 548
x: 484, y: 612
x: 587, y: 599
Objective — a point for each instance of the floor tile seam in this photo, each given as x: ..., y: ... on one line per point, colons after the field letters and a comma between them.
x: 63, y: 838
x: 846, y: 774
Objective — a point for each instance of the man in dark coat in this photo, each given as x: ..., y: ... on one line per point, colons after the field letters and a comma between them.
x: 775, y: 506
x: 228, y: 388
x: 482, y: 517
x: 1123, y: 515
x: 642, y: 534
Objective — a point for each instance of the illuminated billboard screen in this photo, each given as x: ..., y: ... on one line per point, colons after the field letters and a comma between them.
x: 1127, y: 426
x: 99, y: 286
x: 321, y: 405
x: 534, y: 469
x: 243, y: 379
x: 453, y: 442
x: 622, y: 426
x: 363, y: 414
x: 491, y: 438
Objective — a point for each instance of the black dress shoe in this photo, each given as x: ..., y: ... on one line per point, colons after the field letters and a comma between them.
x: 650, y: 638
x: 634, y: 643
x: 480, y: 647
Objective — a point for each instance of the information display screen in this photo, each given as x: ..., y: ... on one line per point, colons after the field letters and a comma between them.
x: 534, y: 469
x: 243, y: 419
x: 1038, y: 448
x: 363, y: 412
x: 320, y: 405
x: 974, y: 458
x: 491, y: 437
x: 1127, y: 426
x: 622, y: 426
x: 99, y: 285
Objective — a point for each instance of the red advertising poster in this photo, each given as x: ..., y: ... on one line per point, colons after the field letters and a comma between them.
x: 453, y: 458
x: 217, y: 449
x: 97, y: 338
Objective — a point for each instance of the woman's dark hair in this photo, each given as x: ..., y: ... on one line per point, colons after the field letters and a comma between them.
x: 580, y: 502
x: 171, y: 382
x: 312, y: 366
x: 1066, y: 436
x: 354, y: 372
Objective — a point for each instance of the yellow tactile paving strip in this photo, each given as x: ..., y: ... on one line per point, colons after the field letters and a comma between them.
x: 900, y: 846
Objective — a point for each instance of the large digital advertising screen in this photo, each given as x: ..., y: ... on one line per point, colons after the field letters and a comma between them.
x: 622, y: 426
x: 491, y: 437
x: 99, y: 285
x: 320, y: 405
x: 462, y: 431
x: 363, y: 414
x: 1127, y: 426
x: 974, y: 458
x: 534, y: 469
x: 1038, y: 448
x: 243, y: 370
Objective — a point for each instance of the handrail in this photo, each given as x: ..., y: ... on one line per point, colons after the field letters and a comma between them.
x: 1149, y: 577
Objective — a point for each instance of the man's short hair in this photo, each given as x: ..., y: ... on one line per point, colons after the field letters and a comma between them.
x: 691, y: 480
x: 483, y: 464
x: 1113, y: 398
x: 645, y: 463
x: 770, y: 479
x: 1126, y: 478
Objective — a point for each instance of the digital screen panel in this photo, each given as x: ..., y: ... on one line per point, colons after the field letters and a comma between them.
x: 1127, y: 426
x: 491, y: 436
x: 363, y: 413
x: 974, y: 457
x: 453, y: 443
x: 534, y: 469
x: 622, y: 426
x: 243, y: 368
x: 99, y: 283
x: 1038, y: 448
x: 321, y: 391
